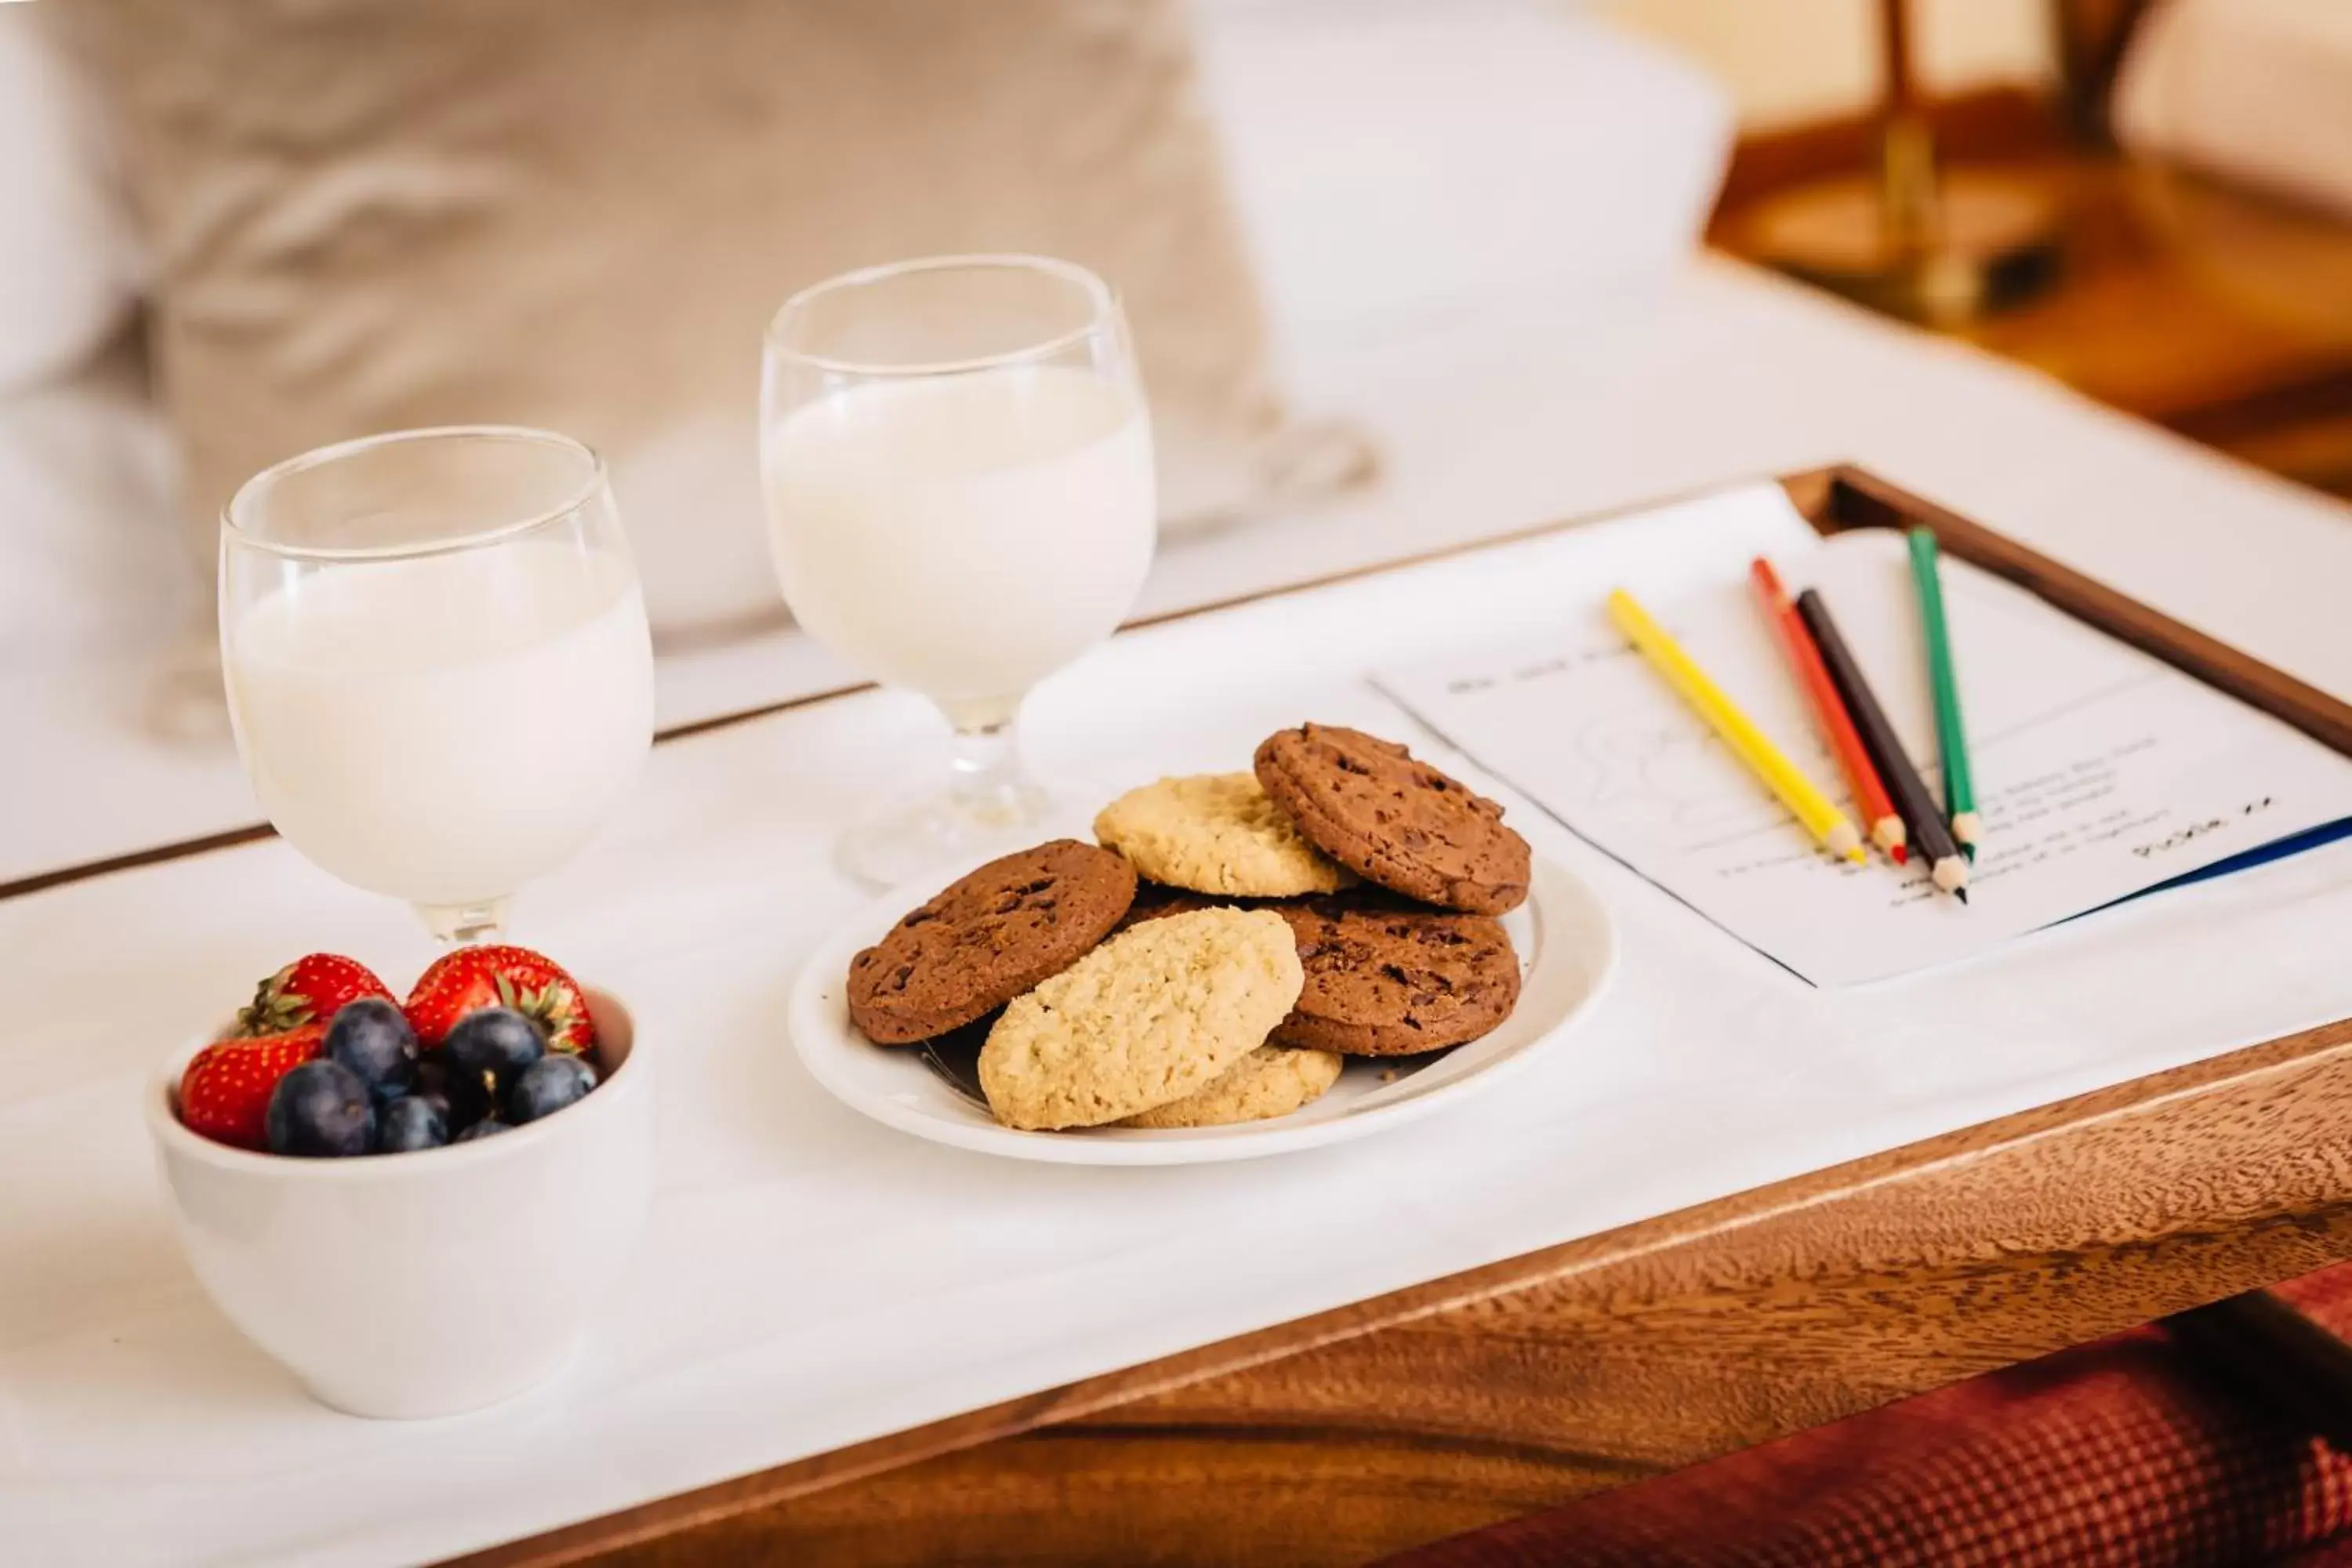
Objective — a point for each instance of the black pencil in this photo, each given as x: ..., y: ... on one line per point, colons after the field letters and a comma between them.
x: 1929, y: 837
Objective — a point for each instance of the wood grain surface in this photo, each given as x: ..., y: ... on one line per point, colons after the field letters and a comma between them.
x: 1475, y: 1398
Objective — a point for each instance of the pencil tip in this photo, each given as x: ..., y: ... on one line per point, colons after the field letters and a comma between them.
x: 1971, y: 851
x: 1900, y: 854
x: 1961, y: 894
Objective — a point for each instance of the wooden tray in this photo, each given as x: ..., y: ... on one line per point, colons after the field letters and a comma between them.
x: 1474, y: 1398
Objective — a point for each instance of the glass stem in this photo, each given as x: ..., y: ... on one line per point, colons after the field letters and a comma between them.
x: 464, y: 925
x: 984, y: 776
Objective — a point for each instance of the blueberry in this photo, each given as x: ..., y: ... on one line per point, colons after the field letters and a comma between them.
x: 489, y: 1126
x: 409, y: 1124
x: 321, y: 1109
x: 461, y: 1101
x: 372, y: 1038
x: 498, y: 1041
x: 547, y: 1086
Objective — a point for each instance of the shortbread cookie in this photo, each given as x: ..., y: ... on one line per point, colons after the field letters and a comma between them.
x: 1395, y: 821
x: 987, y: 939
x: 1216, y: 833
x: 1386, y: 979
x: 1272, y: 1080
x: 1147, y: 1017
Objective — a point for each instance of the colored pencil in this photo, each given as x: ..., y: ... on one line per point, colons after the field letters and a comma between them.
x: 1805, y: 802
x: 1829, y: 710
x: 1951, y: 738
x: 1928, y: 834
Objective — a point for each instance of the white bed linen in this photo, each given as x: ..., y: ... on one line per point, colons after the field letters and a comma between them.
x: 812, y: 1278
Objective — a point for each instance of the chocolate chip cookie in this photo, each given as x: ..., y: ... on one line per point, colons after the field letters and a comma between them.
x: 986, y: 938
x: 1393, y: 820
x: 1386, y: 979
x: 1154, y: 901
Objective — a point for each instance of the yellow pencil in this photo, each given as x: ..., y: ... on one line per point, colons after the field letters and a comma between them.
x: 1806, y: 802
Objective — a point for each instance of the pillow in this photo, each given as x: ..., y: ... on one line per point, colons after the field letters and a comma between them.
x: 67, y: 275
x: 1402, y: 160
x: 580, y: 214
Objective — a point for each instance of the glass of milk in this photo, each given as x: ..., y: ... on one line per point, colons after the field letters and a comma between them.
x: 437, y: 661
x: 957, y: 460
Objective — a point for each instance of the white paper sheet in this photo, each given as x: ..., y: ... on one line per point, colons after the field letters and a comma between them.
x: 2100, y: 771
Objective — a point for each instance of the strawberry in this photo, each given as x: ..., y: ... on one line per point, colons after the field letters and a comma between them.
x: 472, y: 977
x: 225, y: 1093
x: 310, y: 990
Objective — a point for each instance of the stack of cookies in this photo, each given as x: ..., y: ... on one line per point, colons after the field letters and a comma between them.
x: 1229, y: 942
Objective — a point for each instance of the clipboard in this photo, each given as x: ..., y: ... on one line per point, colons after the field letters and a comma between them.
x: 2110, y: 772
x: 1842, y: 498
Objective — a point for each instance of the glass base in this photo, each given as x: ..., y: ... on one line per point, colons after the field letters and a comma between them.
x: 939, y: 836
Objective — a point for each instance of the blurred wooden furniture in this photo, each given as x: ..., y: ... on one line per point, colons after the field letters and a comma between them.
x: 2092, y: 38
x: 1916, y: 236
x: 1471, y: 1399
x: 2221, y: 313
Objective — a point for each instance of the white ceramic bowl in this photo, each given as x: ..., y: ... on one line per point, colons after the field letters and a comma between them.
x: 428, y: 1283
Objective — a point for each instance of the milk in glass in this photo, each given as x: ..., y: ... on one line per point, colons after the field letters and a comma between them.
x: 443, y: 728
x: 965, y: 535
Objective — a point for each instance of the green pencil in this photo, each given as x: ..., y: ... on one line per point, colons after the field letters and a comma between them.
x: 1951, y: 738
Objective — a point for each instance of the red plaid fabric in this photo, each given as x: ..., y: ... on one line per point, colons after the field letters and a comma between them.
x: 2325, y: 1297
x: 2120, y: 1454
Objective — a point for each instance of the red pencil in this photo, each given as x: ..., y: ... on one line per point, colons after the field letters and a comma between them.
x: 1836, y: 725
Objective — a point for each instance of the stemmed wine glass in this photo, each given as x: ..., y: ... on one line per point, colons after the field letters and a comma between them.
x: 958, y: 465
x: 437, y: 662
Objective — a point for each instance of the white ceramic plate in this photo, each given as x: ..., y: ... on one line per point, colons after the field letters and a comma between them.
x: 1568, y: 951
